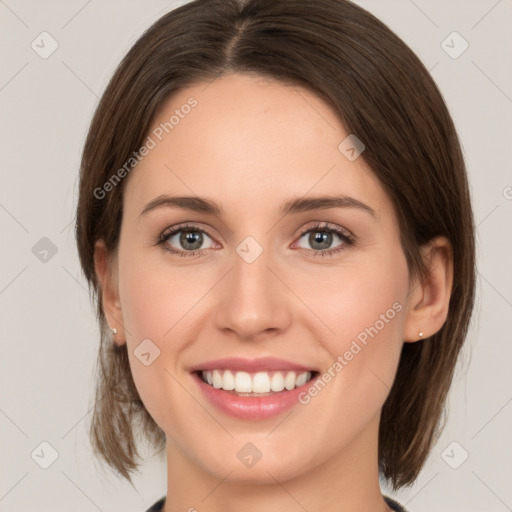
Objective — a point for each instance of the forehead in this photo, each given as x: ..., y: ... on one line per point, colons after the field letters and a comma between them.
x: 251, y: 143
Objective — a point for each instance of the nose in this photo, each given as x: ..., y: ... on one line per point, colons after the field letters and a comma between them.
x: 253, y: 302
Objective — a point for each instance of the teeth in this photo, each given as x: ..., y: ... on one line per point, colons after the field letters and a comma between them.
x: 277, y: 382
x: 228, y: 381
x: 243, y: 382
x: 289, y: 381
x: 301, y: 379
x: 260, y: 382
x: 217, y: 379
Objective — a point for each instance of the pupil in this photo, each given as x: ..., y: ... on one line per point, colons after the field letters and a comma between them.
x: 319, y: 237
x: 193, y: 237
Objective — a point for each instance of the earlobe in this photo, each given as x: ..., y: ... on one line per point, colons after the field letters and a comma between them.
x: 429, y: 298
x: 109, y: 294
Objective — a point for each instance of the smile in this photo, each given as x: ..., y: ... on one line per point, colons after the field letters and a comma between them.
x: 255, y: 384
x: 252, y: 389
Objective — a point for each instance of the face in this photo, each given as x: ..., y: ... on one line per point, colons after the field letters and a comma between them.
x: 270, y: 283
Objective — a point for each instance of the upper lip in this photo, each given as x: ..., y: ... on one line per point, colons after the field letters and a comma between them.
x: 251, y: 365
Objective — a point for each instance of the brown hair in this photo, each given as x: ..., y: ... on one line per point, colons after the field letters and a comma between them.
x: 382, y: 93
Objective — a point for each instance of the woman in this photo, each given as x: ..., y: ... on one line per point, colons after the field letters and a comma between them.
x: 274, y: 217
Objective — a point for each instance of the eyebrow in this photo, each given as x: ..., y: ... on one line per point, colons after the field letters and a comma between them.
x: 295, y: 205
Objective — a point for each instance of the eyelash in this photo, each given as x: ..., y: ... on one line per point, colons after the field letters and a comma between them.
x: 347, y: 239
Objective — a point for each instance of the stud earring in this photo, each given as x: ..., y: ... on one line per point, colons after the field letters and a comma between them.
x: 114, y: 330
x: 420, y: 334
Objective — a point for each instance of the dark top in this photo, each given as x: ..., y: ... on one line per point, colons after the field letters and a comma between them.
x: 157, y: 507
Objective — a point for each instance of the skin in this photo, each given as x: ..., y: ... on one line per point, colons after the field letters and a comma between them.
x: 249, y: 145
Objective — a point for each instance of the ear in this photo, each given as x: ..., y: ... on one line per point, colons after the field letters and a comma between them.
x: 107, y: 279
x: 429, y: 295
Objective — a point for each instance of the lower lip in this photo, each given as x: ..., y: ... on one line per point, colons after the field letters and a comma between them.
x: 251, y: 408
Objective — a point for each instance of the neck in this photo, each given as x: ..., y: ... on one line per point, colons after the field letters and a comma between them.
x: 345, y: 481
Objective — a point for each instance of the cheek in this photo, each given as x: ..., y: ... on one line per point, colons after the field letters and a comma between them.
x: 147, y: 309
x: 366, y: 311
x: 160, y: 304
x: 364, y: 291
x: 154, y: 298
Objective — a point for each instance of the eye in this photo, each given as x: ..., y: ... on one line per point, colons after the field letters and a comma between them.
x: 188, y: 240
x: 185, y: 240
x: 321, y: 237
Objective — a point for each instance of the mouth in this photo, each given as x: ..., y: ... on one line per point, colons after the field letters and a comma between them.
x: 253, y: 389
x: 255, y: 384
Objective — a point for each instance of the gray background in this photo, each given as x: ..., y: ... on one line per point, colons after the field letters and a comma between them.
x: 48, y: 331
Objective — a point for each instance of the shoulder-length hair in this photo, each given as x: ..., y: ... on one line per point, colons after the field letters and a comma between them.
x: 381, y: 92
